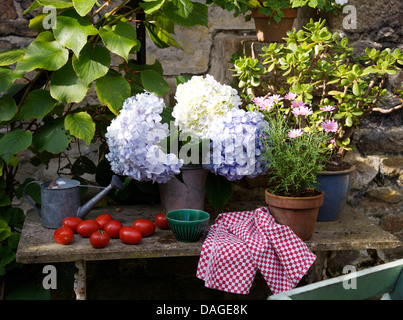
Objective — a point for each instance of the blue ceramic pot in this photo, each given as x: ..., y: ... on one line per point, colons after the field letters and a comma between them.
x: 336, y: 186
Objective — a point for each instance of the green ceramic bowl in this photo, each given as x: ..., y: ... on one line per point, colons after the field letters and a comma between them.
x: 187, y: 224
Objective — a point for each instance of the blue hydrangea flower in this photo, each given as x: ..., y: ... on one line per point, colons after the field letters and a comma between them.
x: 236, y: 147
x: 133, y: 138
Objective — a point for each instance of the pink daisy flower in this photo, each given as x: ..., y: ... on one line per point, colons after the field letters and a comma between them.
x: 294, y: 133
x: 276, y: 98
x: 290, y: 96
x: 330, y: 126
x: 327, y: 108
x: 297, y: 104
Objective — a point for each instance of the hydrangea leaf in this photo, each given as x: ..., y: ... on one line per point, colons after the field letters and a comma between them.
x: 66, y: 86
x: 154, y: 82
x: 37, y: 104
x: 13, y: 142
x: 72, y: 31
x: 112, y: 91
x: 119, y: 38
x: 81, y: 126
x: 218, y: 191
x: 93, y: 63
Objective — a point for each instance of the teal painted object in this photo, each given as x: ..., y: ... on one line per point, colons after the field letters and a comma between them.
x: 187, y: 224
x: 336, y: 186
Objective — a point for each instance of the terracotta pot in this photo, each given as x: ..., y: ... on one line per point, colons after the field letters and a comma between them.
x: 298, y: 213
x: 176, y: 195
x: 273, y: 32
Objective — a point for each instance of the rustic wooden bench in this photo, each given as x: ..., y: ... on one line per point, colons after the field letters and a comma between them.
x: 353, y: 231
x: 384, y: 282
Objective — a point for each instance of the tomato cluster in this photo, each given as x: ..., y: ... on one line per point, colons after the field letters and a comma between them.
x: 104, y: 227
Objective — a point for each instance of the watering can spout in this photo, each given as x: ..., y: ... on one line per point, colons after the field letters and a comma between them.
x: 115, y: 184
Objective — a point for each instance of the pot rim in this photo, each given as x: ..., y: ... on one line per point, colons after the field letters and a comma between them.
x: 340, y: 172
x: 292, y: 198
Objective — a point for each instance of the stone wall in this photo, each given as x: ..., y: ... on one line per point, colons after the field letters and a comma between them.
x: 377, y: 186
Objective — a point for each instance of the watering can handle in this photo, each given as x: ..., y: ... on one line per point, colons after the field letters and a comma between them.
x: 29, y: 200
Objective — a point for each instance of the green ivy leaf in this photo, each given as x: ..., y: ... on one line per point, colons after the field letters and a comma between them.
x: 151, y: 6
x: 160, y: 37
x: 218, y: 191
x: 154, y: 82
x: 8, y: 108
x: 92, y: 64
x: 81, y: 126
x: 52, y: 137
x: 83, y: 6
x: 66, y: 86
x: 72, y: 31
x: 11, y: 56
x: 43, y: 55
x: 119, y: 38
x: 113, y: 90
x: 7, y: 77
x: 37, y: 104
x: 13, y: 142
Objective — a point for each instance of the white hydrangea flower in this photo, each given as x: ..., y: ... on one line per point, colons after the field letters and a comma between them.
x: 199, y: 102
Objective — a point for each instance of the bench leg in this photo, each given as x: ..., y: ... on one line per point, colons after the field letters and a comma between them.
x: 80, y: 280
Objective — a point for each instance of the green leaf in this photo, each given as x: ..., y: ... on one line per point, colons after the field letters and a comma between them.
x: 7, y: 78
x: 13, y: 142
x: 81, y: 126
x: 58, y: 4
x: 92, y: 64
x: 218, y: 191
x: 112, y: 91
x: 151, y: 6
x: 119, y: 38
x: 160, y: 37
x: 11, y: 56
x: 52, y: 137
x: 154, y: 82
x: 37, y: 104
x: 5, y: 231
x: 356, y: 89
x: 66, y: 86
x: 187, y: 13
x: 349, y: 121
x: 83, y: 6
x: 83, y: 165
x: 8, y: 108
x: 43, y: 55
x: 72, y: 31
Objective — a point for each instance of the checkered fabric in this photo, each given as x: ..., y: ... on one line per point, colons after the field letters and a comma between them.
x: 240, y: 242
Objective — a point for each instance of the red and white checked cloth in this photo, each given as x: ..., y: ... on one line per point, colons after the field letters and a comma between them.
x: 240, y: 242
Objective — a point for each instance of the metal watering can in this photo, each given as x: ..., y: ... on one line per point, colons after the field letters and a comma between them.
x: 61, y: 199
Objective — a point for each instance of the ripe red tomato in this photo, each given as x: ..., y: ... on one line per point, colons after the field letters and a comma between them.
x: 63, y: 235
x: 146, y: 227
x: 112, y: 228
x: 72, y: 223
x: 103, y: 219
x: 99, y: 239
x: 87, y: 227
x: 130, y: 235
x: 161, y: 221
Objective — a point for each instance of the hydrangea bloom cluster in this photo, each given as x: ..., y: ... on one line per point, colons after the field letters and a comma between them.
x: 133, y: 138
x: 236, y: 145
x: 199, y: 102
